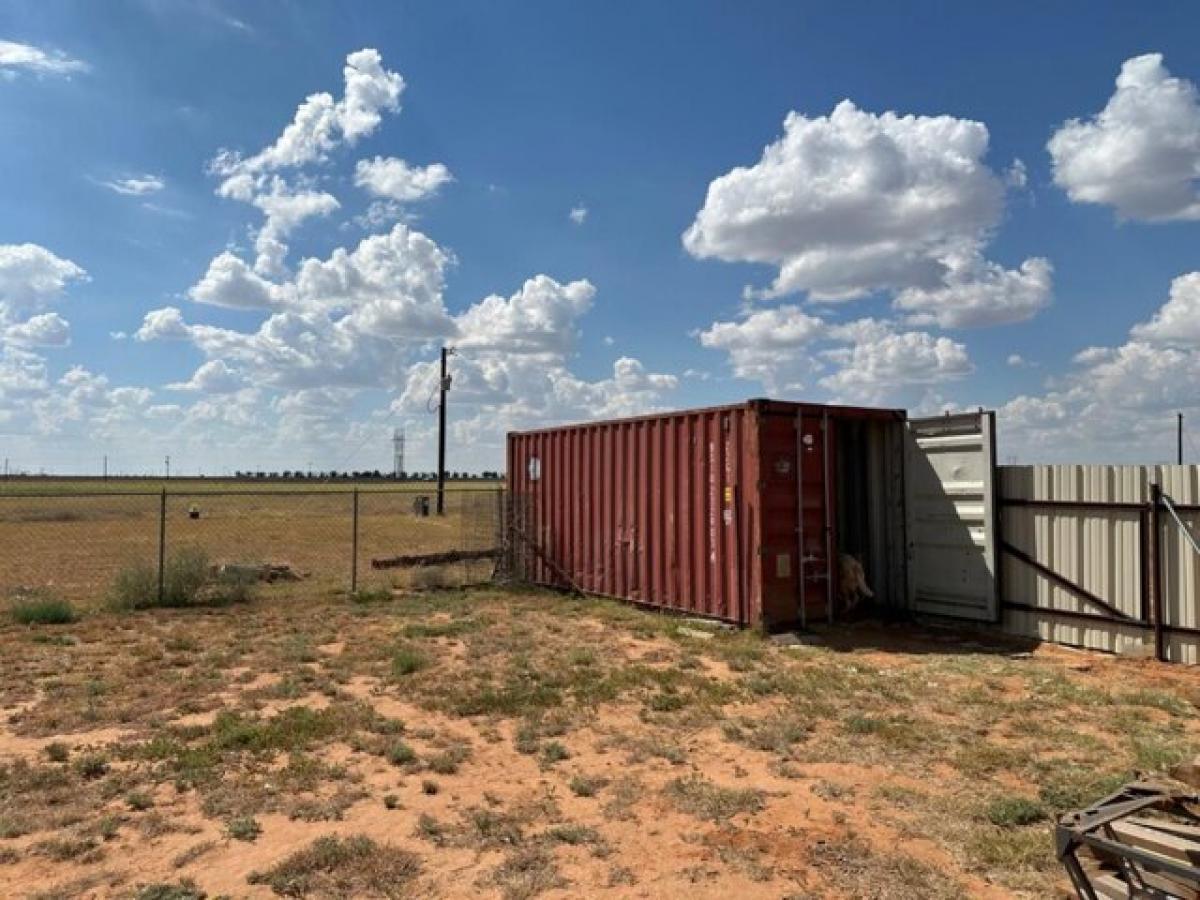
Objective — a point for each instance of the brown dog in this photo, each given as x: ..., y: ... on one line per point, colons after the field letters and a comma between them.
x: 854, y: 585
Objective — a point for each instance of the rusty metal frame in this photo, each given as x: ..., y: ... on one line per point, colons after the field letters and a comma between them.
x: 1151, y: 606
x: 1091, y: 829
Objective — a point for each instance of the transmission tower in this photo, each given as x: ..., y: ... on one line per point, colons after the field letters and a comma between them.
x: 398, y: 452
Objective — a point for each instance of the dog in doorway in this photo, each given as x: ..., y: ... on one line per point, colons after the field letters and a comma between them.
x: 853, y: 582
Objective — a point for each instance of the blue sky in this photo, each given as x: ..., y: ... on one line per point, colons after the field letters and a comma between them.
x: 112, y: 116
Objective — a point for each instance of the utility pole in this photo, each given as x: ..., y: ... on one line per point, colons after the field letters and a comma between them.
x: 443, y: 387
x: 106, y: 467
x: 1179, y: 438
x: 168, y: 465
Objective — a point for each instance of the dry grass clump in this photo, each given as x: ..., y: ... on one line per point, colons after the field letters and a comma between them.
x: 354, y: 866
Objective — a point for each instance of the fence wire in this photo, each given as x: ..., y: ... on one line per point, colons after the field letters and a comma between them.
x: 76, y: 545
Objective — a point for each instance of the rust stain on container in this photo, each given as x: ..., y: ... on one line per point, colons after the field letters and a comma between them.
x: 726, y: 512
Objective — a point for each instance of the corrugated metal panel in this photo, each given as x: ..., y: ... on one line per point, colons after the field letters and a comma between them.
x: 654, y: 510
x: 1102, y: 551
x: 695, y: 511
x: 951, y: 516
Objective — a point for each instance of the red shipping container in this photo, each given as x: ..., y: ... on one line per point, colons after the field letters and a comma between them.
x: 736, y: 512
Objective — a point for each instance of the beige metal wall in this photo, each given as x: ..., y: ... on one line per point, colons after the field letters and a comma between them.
x: 1099, y: 550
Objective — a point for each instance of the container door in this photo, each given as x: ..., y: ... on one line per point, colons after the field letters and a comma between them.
x: 949, y: 466
x: 815, y: 517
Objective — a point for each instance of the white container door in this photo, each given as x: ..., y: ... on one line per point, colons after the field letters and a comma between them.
x: 951, y: 522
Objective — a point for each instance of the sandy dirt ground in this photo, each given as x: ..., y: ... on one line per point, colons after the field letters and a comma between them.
x: 518, y: 744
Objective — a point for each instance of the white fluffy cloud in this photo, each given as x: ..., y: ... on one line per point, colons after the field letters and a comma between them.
x: 164, y: 324
x: 871, y: 370
x: 977, y: 292
x: 231, y: 283
x: 320, y: 125
x: 45, y: 330
x: 866, y: 360
x: 578, y: 214
x: 853, y: 203
x: 1141, y: 153
x: 213, y: 377
x: 539, y: 318
x: 31, y: 277
x: 1120, y: 402
x: 136, y: 185
x: 16, y: 57
x: 1178, y: 321
x: 394, y: 179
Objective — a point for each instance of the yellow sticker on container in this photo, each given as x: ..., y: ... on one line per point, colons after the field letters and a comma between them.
x: 728, y: 495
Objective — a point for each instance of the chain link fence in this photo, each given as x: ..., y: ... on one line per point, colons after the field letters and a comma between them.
x: 76, y: 545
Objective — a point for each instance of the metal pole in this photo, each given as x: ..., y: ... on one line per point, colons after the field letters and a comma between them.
x: 1179, y: 438
x: 442, y: 387
x: 354, y: 546
x: 1156, y: 592
x: 162, y: 544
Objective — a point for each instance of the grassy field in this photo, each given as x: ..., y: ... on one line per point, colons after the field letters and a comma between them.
x: 517, y: 744
x: 76, y: 546
x: 25, y: 486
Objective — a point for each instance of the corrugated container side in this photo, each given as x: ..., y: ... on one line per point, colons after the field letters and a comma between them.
x: 656, y: 510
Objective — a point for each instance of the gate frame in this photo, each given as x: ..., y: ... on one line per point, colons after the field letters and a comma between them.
x: 1150, y: 600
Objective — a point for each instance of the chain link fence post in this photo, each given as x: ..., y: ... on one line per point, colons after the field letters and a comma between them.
x: 162, y: 544
x: 354, y: 545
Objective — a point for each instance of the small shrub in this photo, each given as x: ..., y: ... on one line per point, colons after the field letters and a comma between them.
x: 446, y: 763
x: 586, y: 785
x: 355, y: 866
x: 182, y: 890
x: 401, y: 754
x: 1013, y: 812
x: 58, y: 752
x: 244, y: 828
x: 186, y: 574
x: 139, y: 801
x: 391, y: 801
x: 705, y: 800
x: 42, y: 609
x: 554, y: 752
x: 407, y: 660
x: 92, y: 765
x: 429, y: 786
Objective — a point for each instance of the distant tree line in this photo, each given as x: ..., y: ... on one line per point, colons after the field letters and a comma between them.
x: 372, y: 475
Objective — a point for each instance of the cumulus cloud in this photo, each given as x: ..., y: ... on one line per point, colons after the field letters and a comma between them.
x: 853, y: 203
x: 976, y: 292
x: 394, y: 179
x: 1119, y: 402
x: 578, y: 214
x: 320, y: 125
x: 45, y: 330
x: 164, y: 324
x: 231, y: 283
x: 136, y: 185
x: 1141, y: 153
x: 16, y: 57
x: 865, y: 360
x: 31, y: 277
x: 1178, y: 321
x: 870, y: 370
x: 539, y: 318
x: 213, y: 377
